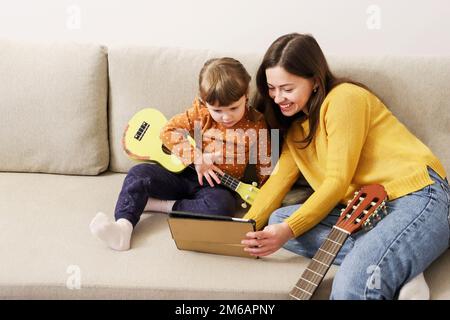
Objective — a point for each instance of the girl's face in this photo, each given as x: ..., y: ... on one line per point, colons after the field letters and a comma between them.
x: 228, y: 116
x: 289, y: 91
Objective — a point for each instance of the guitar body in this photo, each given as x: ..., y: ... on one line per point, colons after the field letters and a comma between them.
x: 142, y: 143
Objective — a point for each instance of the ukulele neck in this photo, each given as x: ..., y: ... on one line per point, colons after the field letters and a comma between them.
x: 226, y: 180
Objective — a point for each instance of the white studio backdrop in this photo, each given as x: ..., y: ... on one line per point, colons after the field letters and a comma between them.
x: 342, y: 27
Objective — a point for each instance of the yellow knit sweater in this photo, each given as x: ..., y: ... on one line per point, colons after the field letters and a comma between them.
x: 358, y: 142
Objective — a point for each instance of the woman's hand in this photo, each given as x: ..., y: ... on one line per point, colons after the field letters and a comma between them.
x: 267, y: 241
x: 206, y: 168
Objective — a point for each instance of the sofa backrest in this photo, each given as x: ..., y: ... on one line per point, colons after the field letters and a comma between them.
x: 161, y: 78
x: 55, y: 118
x: 415, y: 89
x: 53, y: 100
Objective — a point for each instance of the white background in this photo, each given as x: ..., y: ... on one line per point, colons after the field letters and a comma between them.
x: 343, y: 27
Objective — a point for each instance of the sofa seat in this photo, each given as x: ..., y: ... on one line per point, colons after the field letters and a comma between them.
x: 45, y: 232
x: 46, y: 242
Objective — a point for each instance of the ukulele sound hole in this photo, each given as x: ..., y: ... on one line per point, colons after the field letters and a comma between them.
x: 141, y: 131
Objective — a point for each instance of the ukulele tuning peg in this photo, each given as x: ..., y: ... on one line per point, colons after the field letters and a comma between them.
x: 356, y: 193
x: 348, y: 202
x: 342, y: 211
x: 244, y: 205
x: 254, y: 184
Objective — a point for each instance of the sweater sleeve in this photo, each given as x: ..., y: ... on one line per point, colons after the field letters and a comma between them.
x: 177, y: 133
x: 273, y: 191
x: 346, y: 119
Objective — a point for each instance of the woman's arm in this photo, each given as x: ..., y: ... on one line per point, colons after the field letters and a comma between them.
x: 273, y: 191
x: 346, y: 121
x: 347, y: 125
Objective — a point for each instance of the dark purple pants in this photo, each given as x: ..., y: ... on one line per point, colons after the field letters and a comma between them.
x: 151, y: 180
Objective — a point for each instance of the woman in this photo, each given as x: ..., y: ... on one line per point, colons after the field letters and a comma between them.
x: 340, y: 136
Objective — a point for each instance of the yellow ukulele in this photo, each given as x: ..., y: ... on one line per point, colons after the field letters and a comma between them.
x: 141, y: 142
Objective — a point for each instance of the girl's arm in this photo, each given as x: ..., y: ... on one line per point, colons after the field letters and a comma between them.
x: 175, y: 133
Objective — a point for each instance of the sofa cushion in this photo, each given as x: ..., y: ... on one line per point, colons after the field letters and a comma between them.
x: 161, y: 78
x: 46, y: 247
x: 46, y: 244
x: 53, y: 100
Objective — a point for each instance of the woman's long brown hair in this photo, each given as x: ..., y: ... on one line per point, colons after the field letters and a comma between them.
x: 301, y: 55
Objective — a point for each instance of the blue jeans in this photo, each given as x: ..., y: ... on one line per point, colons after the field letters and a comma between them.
x: 376, y: 264
x: 150, y: 180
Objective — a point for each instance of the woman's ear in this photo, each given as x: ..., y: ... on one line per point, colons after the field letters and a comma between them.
x: 315, y: 82
x: 315, y: 85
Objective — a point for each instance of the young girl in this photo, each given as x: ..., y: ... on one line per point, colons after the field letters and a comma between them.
x: 229, y: 131
x: 340, y: 137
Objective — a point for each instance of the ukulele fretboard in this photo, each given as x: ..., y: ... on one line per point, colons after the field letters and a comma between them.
x: 319, y: 265
x: 229, y: 181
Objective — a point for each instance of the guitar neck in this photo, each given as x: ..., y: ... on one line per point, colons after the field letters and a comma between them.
x: 319, y: 265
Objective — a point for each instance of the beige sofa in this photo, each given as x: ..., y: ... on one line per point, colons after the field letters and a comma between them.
x: 63, y: 107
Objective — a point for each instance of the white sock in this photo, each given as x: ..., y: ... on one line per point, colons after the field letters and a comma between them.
x: 117, y: 235
x: 158, y: 205
x: 415, y: 289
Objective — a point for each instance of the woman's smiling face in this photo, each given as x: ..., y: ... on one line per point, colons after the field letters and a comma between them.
x: 290, y: 92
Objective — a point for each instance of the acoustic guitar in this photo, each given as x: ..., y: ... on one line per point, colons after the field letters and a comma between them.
x: 142, y: 143
x: 364, y: 211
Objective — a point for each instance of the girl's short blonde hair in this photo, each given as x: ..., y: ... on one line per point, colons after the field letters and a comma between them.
x: 223, y: 81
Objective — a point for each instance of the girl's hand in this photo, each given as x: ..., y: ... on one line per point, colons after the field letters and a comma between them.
x: 267, y: 241
x: 206, y: 168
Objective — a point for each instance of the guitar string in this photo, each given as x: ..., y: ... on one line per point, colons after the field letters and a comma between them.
x: 306, y: 287
x: 310, y: 285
